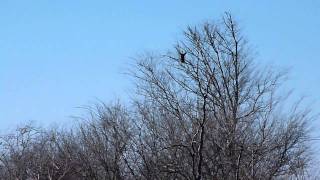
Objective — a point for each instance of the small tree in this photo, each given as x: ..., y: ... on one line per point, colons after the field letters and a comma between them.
x: 104, y: 141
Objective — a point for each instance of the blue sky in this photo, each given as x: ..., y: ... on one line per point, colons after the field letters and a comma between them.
x: 57, y: 55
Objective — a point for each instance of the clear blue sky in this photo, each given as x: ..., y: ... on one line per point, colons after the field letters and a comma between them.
x: 56, y: 55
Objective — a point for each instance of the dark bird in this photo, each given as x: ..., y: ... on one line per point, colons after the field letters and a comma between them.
x: 182, y: 56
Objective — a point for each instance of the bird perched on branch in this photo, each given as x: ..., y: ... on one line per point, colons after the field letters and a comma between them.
x: 182, y: 56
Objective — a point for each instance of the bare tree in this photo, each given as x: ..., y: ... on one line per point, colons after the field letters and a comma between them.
x: 16, y: 152
x: 216, y: 115
x: 104, y: 139
x: 31, y: 153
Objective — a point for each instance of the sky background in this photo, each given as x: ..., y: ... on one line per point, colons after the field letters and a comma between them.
x: 57, y: 55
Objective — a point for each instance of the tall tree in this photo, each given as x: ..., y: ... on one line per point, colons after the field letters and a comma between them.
x: 217, y: 115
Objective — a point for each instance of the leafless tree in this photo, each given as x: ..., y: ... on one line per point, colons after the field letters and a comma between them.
x: 217, y: 115
x: 104, y: 139
x: 97, y: 149
x: 31, y: 153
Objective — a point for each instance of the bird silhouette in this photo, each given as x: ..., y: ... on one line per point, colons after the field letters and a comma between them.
x: 182, y: 56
